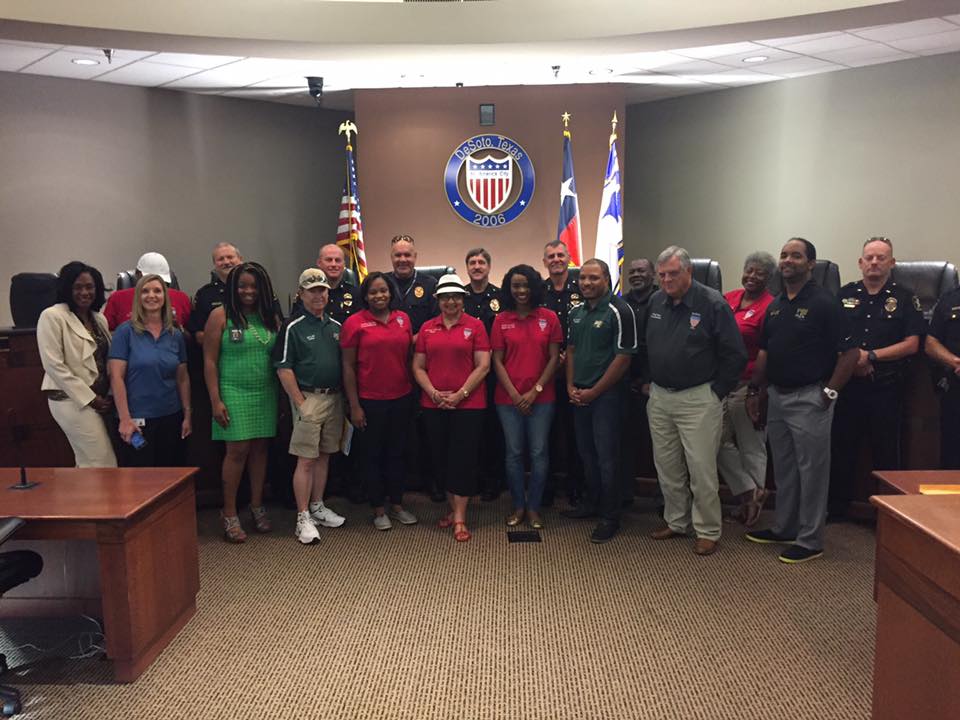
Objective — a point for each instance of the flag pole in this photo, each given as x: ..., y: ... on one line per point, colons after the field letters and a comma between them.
x: 348, y: 128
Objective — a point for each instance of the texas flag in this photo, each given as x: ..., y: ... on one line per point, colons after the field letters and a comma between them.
x: 610, y: 224
x: 568, y: 229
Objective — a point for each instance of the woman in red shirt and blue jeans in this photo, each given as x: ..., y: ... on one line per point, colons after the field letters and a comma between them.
x: 526, y: 350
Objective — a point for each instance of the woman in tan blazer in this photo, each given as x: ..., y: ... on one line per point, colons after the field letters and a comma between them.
x: 74, y: 342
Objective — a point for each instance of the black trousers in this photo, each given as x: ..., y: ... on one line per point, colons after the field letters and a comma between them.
x: 564, y: 459
x: 18, y: 566
x: 379, y: 448
x: 636, y: 447
x: 454, y: 437
x: 950, y: 428
x: 865, y: 412
x: 164, y: 446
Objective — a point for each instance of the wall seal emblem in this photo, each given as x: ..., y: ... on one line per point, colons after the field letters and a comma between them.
x: 489, y: 180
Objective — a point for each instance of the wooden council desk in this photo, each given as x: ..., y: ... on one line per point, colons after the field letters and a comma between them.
x: 144, y: 523
x: 916, y: 670
x: 908, y: 482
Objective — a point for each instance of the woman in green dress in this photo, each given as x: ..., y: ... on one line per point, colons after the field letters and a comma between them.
x: 237, y: 342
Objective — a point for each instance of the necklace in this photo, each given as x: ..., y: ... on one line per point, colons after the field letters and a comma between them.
x: 256, y: 334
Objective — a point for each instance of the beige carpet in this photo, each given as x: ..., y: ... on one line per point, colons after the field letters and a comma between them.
x: 409, y: 624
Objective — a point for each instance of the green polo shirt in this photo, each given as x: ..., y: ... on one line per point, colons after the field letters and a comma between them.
x: 598, y: 335
x: 310, y: 346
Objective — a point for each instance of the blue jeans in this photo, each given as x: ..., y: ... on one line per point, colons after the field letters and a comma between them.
x: 535, y: 428
x: 598, y: 438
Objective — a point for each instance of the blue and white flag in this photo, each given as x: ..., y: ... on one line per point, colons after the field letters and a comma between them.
x: 610, y: 224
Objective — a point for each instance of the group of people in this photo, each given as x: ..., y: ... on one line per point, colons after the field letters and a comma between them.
x: 705, y: 380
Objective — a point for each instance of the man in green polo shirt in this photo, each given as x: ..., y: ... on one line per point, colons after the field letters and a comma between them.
x: 602, y: 339
x: 307, y: 358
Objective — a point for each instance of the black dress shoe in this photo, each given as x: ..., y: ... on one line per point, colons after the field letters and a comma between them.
x: 605, y: 531
x: 580, y: 512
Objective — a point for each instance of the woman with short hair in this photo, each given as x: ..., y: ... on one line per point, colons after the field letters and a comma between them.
x: 148, y: 375
x: 451, y: 360
x: 74, y: 342
x: 238, y: 340
x: 375, y: 345
x: 526, y: 352
x: 742, y: 460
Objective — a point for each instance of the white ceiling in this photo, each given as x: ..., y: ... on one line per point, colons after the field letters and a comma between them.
x: 651, y: 75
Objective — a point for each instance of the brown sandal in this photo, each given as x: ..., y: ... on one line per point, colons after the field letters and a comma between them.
x: 461, y: 535
x: 445, y: 522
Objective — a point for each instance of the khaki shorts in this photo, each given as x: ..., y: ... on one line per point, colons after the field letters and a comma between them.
x: 317, y: 425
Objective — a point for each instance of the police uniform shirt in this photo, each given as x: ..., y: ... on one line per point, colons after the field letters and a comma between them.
x: 599, y: 334
x: 880, y: 320
x: 803, y: 336
x: 208, y: 297
x: 310, y: 346
x: 562, y: 302
x: 483, y: 305
x: 945, y: 322
x: 417, y: 297
x: 638, y: 302
x: 343, y: 302
x: 694, y: 341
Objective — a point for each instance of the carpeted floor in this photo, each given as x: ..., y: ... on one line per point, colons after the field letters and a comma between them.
x: 408, y: 624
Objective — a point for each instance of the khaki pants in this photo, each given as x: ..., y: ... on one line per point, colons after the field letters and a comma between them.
x: 86, y: 433
x: 743, y: 449
x: 685, y: 429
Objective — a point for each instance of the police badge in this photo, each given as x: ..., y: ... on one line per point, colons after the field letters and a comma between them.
x: 890, y: 305
x: 495, y: 305
x: 418, y: 292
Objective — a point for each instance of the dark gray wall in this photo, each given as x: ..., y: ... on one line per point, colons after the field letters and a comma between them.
x: 103, y: 173
x: 834, y: 158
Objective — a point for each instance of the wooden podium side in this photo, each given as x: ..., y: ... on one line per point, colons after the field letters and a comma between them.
x: 917, y: 589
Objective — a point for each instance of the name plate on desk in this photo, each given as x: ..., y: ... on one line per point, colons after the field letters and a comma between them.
x: 939, y: 489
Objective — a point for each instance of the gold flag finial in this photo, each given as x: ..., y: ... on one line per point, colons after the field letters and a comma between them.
x: 566, y: 123
x: 347, y: 128
x: 613, y: 128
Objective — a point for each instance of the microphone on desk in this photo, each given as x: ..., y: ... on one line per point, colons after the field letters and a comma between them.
x: 17, y: 432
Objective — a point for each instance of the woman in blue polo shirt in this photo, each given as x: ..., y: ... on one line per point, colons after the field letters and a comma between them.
x: 148, y: 376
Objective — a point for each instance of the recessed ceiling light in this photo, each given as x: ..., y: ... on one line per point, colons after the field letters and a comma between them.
x: 85, y: 61
x: 755, y: 59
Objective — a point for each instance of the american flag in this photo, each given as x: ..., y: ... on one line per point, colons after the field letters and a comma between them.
x: 350, y: 227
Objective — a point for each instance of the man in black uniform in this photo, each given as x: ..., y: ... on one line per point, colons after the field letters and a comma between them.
x: 416, y: 291
x: 417, y: 299
x: 210, y: 296
x: 344, y: 297
x: 482, y: 301
x: 886, y: 325
x: 636, y: 448
x: 562, y: 294
x: 943, y: 346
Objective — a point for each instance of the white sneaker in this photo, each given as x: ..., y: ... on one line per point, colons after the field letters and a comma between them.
x: 382, y: 522
x: 320, y: 514
x: 306, y: 531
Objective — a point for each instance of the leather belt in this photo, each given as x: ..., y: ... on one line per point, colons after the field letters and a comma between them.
x: 319, y: 390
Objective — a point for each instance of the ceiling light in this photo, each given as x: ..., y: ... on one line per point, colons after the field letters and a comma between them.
x: 85, y: 61
x: 755, y: 59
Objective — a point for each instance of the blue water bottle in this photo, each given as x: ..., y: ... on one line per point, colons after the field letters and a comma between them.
x: 137, y: 440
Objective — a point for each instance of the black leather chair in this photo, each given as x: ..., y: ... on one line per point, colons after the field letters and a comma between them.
x: 350, y: 277
x: 128, y: 279
x: 30, y: 295
x: 15, y: 569
x: 927, y: 279
x: 825, y: 273
x: 436, y: 271
x: 707, y: 272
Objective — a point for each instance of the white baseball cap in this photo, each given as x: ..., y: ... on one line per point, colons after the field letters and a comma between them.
x: 153, y: 263
x: 313, y: 277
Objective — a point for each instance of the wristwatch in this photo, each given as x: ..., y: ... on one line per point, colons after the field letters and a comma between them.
x: 466, y: 394
x: 872, y: 356
x: 538, y: 387
x: 832, y: 394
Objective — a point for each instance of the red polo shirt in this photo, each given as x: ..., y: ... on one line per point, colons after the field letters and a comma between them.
x: 526, y: 350
x: 449, y: 356
x: 750, y: 322
x: 383, y: 354
x: 119, y: 307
